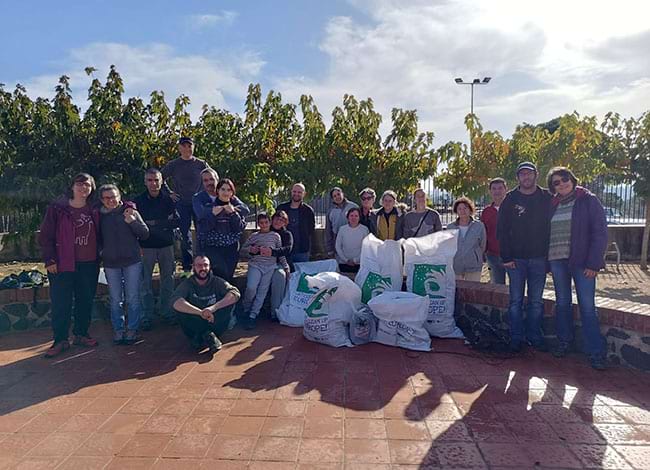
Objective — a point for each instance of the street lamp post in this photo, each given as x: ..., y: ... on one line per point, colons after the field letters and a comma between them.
x: 476, y: 81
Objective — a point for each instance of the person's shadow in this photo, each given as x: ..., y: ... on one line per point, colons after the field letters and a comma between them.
x: 466, y: 409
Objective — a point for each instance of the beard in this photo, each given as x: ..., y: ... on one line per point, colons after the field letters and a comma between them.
x: 202, y: 274
x: 296, y: 198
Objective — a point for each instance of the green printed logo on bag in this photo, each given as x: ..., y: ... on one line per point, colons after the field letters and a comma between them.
x: 374, y: 285
x: 313, y: 310
x: 303, y: 286
x: 428, y: 279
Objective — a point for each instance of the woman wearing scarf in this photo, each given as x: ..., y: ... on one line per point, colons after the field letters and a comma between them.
x: 578, y: 241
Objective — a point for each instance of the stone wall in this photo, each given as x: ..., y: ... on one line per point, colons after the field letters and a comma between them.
x: 625, y: 325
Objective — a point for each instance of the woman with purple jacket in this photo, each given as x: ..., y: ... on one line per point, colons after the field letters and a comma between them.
x: 68, y: 239
x: 577, y: 245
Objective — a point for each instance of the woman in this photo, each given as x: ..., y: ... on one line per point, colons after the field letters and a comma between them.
x: 221, y: 222
x: 577, y: 246
x: 348, y: 242
x: 472, y: 240
x: 122, y: 227
x: 389, y: 218
x: 422, y: 220
x: 68, y: 240
x: 368, y: 216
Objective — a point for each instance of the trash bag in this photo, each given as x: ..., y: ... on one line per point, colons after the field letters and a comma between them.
x: 10, y: 282
x: 401, y: 317
x: 330, y: 309
x: 291, y: 311
x: 31, y: 278
x: 429, y: 265
x: 380, y: 268
x: 363, y: 326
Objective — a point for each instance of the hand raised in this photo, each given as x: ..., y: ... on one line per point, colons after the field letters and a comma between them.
x: 129, y: 215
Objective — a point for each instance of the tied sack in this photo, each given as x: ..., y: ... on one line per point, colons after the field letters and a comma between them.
x: 429, y: 265
x: 380, y: 268
x: 401, y: 317
x: 330, y: 309
x: 291, y: 311
x: 363, y: 326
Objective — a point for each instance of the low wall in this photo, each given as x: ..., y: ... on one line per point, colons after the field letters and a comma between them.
x: 625, y: 325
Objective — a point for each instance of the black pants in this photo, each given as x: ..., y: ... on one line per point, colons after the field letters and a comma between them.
x: 79, y: 285
x: 223, y: 260
x: 346, y: 268
x: 194, y: 326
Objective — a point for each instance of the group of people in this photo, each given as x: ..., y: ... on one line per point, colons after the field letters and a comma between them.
x: 521, y: 233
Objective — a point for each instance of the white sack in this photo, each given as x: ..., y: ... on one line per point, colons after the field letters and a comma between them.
x: 429, y: 265
x: 380, y: 268
x: 401, y: 317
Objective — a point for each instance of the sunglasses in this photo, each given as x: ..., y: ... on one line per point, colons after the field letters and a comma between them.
x: 367, y: 198
x: 563, y: 179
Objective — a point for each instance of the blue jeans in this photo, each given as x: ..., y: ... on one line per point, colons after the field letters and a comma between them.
x: 533, y: 273
x: 299, y: 257
x: 497, y: 271
x: 258, y: 282
x: 186, y: 215
x: 124, y: 284
x: 594, y: 344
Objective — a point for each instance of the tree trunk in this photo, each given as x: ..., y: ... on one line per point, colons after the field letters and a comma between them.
x: 646, y: 235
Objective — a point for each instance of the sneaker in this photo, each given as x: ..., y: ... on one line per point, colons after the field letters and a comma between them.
x: 57, y: 348
x: 562, y: 350
x: 598, y: 363
x: 86, y: 341
x: 118, y: 337
x: 146, y: 325
x: 131, y: 337
x: 250, y: 323
x: 212, y: 341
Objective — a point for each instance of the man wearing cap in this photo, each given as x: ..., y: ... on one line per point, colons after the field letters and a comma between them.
x: 185, y: 175
x: 523, y: 235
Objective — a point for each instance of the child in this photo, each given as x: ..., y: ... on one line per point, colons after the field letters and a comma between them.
x: 261, y: 266
x: 279, y: 223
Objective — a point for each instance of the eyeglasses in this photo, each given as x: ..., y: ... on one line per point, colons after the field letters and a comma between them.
x: 109, y: 198
x: 84, y: 184
x: 367, y: 198
x: 563, y: 179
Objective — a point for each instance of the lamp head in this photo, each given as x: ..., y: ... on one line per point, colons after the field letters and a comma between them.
x: 458, y: 80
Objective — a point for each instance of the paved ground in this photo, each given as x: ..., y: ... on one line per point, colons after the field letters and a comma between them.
x: 273, y: 400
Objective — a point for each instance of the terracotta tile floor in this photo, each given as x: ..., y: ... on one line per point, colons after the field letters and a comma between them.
x: 273, y: 400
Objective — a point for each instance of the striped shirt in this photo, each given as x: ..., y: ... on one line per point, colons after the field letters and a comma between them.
x: 269, y: 240
x: 560, y: 243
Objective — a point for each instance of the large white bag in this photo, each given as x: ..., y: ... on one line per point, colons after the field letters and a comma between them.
x: 401, y: 317
x: 330, y: 309
x: 380, y: 268
x: 292, y: 310
x: 429, y: 265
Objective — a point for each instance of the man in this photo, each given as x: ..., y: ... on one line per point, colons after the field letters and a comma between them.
x: 204, y: 303
x: 336, y: 218
x: 489, y: 216
x: 368, y: 216
x: 302, y: 223
x: 523, y: 234
x: 185, y: 175
x: 158, y: 212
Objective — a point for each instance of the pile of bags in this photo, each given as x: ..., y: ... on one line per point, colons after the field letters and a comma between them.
x: 336, y: 311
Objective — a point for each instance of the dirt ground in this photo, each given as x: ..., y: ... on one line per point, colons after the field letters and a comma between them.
x: 631, y: 283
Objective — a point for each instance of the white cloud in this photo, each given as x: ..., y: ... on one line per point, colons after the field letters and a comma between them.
x: 206, y: 20
x: 561, y: 56
x: 210, y: 80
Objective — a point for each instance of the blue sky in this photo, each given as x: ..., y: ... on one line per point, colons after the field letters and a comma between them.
x: 581, y: 55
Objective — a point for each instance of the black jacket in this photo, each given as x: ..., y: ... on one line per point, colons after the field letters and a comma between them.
x: 306, y: 227
x: 159, y: 213
x: 523, y: 226
x: 287, y: 245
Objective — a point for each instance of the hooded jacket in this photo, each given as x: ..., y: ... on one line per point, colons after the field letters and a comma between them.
x: 56, y: 235
x: 588, y: 230
x: 120, y: 245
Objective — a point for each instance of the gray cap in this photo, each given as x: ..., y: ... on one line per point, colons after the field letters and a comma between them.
x: 526, y: 166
